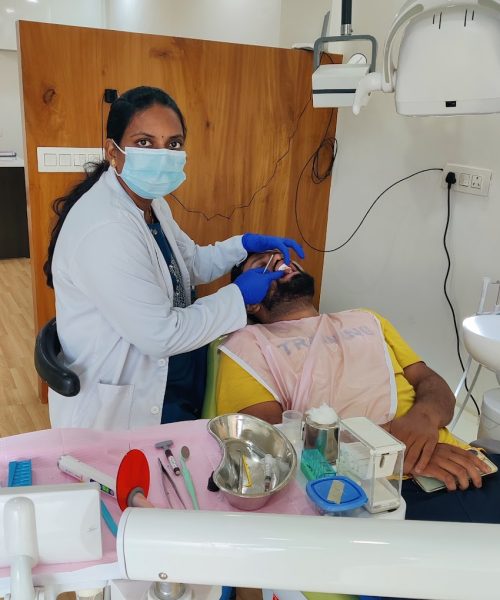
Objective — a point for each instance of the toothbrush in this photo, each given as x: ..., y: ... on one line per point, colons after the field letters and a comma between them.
x: 188, y: 481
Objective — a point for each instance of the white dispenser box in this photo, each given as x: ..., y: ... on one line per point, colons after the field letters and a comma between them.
x: 374, y: 459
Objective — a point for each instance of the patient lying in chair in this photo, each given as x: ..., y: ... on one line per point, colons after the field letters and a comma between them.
x: 295, y: 358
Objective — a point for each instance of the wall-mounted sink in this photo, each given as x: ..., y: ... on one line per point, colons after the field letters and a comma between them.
x: 481, y: 335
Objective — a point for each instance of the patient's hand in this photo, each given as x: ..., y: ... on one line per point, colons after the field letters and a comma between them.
x: 455, y: 467
x: 420, y: 433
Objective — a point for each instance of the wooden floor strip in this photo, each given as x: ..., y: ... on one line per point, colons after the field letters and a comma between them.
x: 20, y: 408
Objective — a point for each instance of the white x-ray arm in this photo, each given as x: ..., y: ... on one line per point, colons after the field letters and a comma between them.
x: 415, y: 559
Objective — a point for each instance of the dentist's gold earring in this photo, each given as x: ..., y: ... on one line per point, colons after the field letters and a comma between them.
x: 113, y: 163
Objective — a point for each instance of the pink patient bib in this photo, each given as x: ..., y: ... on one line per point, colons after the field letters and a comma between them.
x: 339, y: 359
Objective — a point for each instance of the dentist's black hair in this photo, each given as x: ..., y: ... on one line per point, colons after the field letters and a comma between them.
x: 237, y: 270
x: 123, y: 109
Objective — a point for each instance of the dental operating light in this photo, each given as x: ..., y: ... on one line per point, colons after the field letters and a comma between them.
x: 448, y: 61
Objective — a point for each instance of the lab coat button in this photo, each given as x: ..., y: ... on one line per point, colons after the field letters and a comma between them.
x: 162, y: 362
x: 155, y: 410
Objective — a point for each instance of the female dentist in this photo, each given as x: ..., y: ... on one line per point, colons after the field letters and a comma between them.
x: 122, y: 271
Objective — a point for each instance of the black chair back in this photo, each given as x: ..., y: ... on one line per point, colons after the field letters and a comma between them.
x: 48, y: 364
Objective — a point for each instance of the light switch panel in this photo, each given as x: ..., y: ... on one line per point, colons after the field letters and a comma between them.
x: 66, y: 160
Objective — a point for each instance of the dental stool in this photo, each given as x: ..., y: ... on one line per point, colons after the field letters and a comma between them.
x: 48, y: 364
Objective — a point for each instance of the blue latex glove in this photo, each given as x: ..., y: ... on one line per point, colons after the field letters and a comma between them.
x: 254, y: 284
x: 254, y: 242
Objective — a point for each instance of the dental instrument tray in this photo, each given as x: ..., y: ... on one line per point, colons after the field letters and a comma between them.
x: 258, y: 460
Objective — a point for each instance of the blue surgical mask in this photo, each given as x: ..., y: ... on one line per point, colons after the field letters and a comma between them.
x: 152, y: 173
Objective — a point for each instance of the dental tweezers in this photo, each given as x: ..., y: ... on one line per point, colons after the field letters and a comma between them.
x: 166, y: 474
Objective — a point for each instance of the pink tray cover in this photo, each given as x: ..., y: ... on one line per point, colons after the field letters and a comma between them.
x: 104, y: 451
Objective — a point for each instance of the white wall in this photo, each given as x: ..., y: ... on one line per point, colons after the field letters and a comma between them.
x: 277, y: 23
x: 396, y: 262
x: 11, y: 130
x: 86, y: 13
x: 301, y: 22
x: 242, y: 21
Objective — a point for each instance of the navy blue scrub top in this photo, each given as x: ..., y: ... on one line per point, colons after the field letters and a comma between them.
x: 187, y: 372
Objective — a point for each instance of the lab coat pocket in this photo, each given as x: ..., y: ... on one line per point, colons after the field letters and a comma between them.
x: 115, y: 404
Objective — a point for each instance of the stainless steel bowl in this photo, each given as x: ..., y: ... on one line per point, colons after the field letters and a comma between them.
x: 241, y: 474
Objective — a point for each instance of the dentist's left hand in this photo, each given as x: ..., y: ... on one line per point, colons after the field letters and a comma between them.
x: 254, y: 242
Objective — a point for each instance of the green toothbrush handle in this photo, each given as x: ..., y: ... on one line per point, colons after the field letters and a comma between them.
x: 189, y: 484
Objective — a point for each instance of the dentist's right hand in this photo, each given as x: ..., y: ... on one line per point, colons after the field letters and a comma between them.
x: 254, y: 284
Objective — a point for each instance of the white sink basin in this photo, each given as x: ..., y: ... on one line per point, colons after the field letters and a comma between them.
x: 482, y: 339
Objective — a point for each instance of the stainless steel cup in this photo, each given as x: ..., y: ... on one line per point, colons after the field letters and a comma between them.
x: 322, y: 437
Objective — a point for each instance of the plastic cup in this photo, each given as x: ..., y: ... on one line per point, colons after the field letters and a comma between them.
x: 292, y: 425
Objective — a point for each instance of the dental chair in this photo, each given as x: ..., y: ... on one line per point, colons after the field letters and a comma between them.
x: 210, y: 402
x: 48, y: 364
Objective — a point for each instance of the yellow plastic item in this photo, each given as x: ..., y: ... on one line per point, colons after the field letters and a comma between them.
x: 209, y: 403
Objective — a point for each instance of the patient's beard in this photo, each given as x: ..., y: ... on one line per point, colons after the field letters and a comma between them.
x: 287, y: 295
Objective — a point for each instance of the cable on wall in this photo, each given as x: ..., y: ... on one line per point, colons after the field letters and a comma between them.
x: 102, y: 123
x: 328, y: 144
x: 451, y: 180
x: 364, y: 216
x: 245, y: 205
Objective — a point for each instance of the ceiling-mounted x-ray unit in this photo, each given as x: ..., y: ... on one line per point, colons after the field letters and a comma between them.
x: 448, y: 61
x: 336, y: 84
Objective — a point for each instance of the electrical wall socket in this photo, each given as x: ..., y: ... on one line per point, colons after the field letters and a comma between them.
x: 470, y: 180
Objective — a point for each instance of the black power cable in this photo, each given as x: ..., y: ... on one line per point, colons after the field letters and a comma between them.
x: 102, y: 122
x: 365, y: 215
x: 451, y: 180
x: 245, y: 205
x: 327, y: 144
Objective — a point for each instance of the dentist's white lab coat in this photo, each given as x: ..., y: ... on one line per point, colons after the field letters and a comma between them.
x: 115, y: 318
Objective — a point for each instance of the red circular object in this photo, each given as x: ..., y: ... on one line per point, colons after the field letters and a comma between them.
x: 133, y: 472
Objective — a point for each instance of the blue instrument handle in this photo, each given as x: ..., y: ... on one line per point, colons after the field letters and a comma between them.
x: 108, y: 519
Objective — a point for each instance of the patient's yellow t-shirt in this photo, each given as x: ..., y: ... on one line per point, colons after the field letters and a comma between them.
x: 237, y: 389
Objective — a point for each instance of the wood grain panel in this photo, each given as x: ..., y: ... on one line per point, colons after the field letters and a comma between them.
x: 20, y: 409
x: 251, y: 129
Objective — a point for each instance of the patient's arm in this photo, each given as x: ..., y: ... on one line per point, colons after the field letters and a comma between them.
x: 239, y: 391
x: 268, y: 411
x: 432, y: 409
x: 455, y: 467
